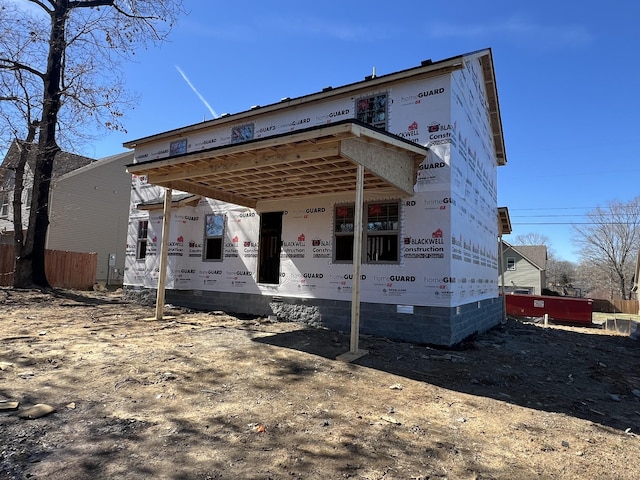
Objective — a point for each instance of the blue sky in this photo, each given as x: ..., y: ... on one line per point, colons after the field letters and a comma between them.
x: 567, y: 75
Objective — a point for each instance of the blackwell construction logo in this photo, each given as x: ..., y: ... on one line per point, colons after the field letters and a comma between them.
x: 321, y: 248
x: 425, y: 247
x: 412, y: 132
x: 294, y: 249
x: 439, y: 133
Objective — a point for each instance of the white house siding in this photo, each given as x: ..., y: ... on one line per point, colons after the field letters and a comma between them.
x: 89, y: 213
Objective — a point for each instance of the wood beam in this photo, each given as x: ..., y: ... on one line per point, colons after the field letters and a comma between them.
x: 164, y: 249
x: 214, y: 193
x: 396, y: 167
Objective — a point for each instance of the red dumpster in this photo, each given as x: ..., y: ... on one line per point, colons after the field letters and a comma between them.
x: 560, y: 309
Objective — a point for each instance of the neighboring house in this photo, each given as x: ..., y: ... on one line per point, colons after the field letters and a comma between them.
x: 524, y: 268
x: 89, y: 212
x: 375, y: 201
x: 64, y: 162
x: 88, y: 207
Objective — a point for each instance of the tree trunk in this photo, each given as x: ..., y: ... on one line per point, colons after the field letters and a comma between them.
x: 30, y: 267
x: 22, y: 277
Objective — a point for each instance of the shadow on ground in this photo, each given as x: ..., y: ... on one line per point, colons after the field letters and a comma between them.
x: 570, y: 371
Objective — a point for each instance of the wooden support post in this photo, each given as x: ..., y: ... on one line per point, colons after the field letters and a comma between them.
x: 164, y: 250
x: 501, y: 272
x: 354, y: 352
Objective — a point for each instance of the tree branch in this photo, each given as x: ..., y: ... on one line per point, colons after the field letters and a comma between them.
x: 42, y: 5
x: 91, y: 3
x: 7, y: 64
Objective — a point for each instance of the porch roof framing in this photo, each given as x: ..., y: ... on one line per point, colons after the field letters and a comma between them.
x: 315, y: 161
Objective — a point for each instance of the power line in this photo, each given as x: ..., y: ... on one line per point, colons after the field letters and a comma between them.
x: 575, y: 223
x: 602, y: 214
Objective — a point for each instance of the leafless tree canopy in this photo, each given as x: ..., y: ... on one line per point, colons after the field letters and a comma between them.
x: 98, y: 36
x: 609, y: 244
x: 532, y: 238
x: 59, y: 70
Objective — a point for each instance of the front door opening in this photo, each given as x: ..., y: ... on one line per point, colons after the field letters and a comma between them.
x: 270, y: 243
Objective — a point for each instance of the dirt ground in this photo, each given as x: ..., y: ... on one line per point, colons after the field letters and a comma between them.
x: 211, y: 396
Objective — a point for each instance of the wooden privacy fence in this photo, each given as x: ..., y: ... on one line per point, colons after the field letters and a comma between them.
x: 615, y: 306
x: 63, y: 269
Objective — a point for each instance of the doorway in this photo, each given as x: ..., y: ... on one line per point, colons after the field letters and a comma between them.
x: 269, y: 250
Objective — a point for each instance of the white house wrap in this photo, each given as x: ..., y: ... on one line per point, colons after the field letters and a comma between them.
x: 262, y: 216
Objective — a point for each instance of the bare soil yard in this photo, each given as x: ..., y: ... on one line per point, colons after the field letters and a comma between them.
x: 212, y: 396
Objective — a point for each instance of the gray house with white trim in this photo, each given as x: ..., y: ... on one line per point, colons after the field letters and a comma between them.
x: 524, y: 268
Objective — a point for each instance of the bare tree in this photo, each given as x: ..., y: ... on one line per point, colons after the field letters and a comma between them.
x: 61, y: 59
x: 609, y: 242
x: 532, y: 238
x: 559, y: 273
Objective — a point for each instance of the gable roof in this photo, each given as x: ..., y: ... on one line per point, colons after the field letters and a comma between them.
x: 123, y: 158
x: 534, y: 254
x: 426, y: 69
x: 64, y: 162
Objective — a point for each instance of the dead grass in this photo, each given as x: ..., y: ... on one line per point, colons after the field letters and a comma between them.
x: 203, y: 396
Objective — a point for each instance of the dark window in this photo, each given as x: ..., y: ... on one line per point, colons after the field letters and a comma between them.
x: 382, y: 232
x: 4, y: 204
x: 373, y: 110
x: 213, y: 237
x: 381, y: 236
x: 270, y: 247
x: 143, y: 229
x: 343, y: 232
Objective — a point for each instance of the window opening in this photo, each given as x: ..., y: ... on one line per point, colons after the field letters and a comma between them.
x: 4, y: 204
x: 27, y: 200
x: 343, y: 230
x: 269, y: 247
x: 381, y: 235
x: 143, y: 229
x: 373, y: 110
x: 213, y: 237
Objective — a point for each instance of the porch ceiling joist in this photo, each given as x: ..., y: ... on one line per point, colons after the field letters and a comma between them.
x: 315, y: 161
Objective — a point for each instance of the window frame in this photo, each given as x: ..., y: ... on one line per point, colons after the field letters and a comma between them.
x: 512, y: 261
x: 341, y: 233
x: 4, y: 204
x: 367, y: 219
x: 368, y: 115
x: 213, y: 234
x: 383, y: 232
x: 142, y: 240
x: 27, y: 199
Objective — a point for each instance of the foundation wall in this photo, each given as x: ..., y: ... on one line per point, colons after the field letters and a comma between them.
x: 443, y: 326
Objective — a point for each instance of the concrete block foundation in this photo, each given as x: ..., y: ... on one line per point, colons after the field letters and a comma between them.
x: 442, y: 326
